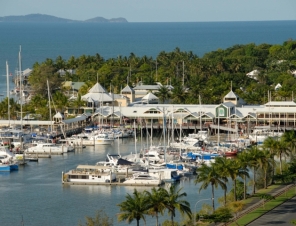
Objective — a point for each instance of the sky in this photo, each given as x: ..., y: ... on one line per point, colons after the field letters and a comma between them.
x: 156, y: 10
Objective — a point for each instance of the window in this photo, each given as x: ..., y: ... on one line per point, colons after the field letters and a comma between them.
x: 221, y: 112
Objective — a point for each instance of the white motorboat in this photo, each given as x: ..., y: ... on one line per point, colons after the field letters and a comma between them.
x: 90, y: 174
x: 165, y: 174
x: 102, y: 139
x: 80, y: 140
x: 48, y: 148
x: 152, y: 156
x: 143, y: 178
x: 7, y: 161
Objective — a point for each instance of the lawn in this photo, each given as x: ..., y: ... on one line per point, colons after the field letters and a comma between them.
x: 268, y: 206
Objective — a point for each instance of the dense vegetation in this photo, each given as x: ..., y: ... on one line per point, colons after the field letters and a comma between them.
x: 210, y: 76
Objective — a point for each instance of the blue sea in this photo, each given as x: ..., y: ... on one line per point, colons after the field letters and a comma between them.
x: 35, y: 193
x: 50, y: 40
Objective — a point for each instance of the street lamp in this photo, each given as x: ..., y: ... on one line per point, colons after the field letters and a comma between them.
x: 194, y: 223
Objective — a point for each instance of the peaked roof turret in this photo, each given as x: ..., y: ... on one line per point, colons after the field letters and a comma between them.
x: 231, y: 94
x: 97, y: 88
x: 150, y: 96
x: 128, y: 89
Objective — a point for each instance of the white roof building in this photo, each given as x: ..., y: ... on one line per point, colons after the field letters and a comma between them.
x: 150, y: 98
x: 277, y: 87
x: 97, y: 94
x: 253, y: 74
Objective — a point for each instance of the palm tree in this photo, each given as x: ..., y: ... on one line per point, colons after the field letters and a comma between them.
x: 178, y: 94
x: 163, y: 94
x: 221, y: 166
x: 157, y: 203
x: 271, y: 145
x: 133, y: 208
x: 173, y: 200
x: 253, y: 162
x: 290, y: 139
x: 234, y: 170
x: 243, y: 159
x: 208, y: 175
x: 281, y: 149
x: 265, y: 160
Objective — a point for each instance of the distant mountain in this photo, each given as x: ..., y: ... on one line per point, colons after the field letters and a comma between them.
x: 48, y: 18
x: 103, y: 20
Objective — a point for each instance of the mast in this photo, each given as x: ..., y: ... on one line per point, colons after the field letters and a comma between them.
x: 183, y: 75
x: 173, y: 139
x: 135, y: 131
x: 49, y: 106
x: 200, y: 121
x: 8, y: 96
x: 151, y: 133
x: 21, y: 90
x: 164, y: 128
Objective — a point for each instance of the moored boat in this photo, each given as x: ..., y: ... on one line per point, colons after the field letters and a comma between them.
x: 102, y: 139
x: 89, y: 174
x: 7, y: 161
x: 144, y: 179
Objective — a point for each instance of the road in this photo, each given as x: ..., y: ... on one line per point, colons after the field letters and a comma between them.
x: 281, y: 215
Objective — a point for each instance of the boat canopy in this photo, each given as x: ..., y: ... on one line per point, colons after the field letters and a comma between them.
x: 92, y: 167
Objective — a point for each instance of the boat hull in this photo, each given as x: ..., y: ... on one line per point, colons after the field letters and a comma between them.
x: 8, y: 168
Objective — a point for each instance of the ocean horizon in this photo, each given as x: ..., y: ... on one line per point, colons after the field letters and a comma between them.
x: 40, y: 41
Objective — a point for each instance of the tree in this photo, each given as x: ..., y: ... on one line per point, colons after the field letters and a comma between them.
x: 243, y: 159
x: 133, y: 208
x: 101, y: 219
x: 281, y: 149
x: 39, y: 77
x: 157, y: 202
x: 265, y: 161
x: 208, y: 175
x: 234, y: 170
x: 222, y: 167
x: 290, y: 138
x: 163, y: 94
x: 236, y: 207
x: 253, y: 162
x: 60, y: 101
x: 174, y: 201
x: 271, y: 144
x: 178, y: 94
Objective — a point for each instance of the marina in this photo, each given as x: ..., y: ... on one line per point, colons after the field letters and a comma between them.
x: 43, y: 179
x: 37, y: 185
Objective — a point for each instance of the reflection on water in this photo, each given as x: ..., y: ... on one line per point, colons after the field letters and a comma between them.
x: 36, y: 191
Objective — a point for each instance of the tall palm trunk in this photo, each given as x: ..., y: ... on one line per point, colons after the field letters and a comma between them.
x: 265, y: 178
x: 213, y: 196
x: 281, y: 170
x: 156, y: 219
x: 254, y: 179
x: 172, y: 217
x: 225, y: 193
x: 245, y: 187
x: 234, y: 189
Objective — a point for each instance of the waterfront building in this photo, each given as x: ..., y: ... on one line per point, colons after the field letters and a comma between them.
x: 232, y: 113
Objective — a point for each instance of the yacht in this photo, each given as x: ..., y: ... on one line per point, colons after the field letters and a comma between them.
x: 89, y: 174
x: 44, y: 147
x: 7, y: 161
x: 102, y: 139
x: 144, y: 179
x: 165, y: 174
